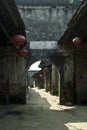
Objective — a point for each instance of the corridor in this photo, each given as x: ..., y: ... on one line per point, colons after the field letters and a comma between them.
x: 42, y: 112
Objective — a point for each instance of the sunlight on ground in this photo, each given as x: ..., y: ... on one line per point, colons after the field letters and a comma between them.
x: 70, y: 117
x: 77, y: 126
x: 52, y: 100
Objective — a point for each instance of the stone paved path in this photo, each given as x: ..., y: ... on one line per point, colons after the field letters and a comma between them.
x: 42, y: 112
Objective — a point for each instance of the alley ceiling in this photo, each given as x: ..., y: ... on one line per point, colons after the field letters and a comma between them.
x: 47, y: 2
x: 10, y: 21
x: 77, y: 26
x: 45, y: 23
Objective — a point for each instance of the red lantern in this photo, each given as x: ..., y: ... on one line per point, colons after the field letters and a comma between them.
x: 46, y: 69
x: 77, y: 40
x: 18, y: 39
x: 23, y: 52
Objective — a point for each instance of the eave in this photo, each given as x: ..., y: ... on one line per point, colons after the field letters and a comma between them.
x: 76, y: 27
x: 10, y: 21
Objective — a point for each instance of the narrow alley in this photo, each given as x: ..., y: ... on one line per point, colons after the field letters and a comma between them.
x: 42, y: 112
x: 51, y: 34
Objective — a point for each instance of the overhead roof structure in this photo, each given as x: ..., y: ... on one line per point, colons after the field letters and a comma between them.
x: 77, y: 25
x: 47, y: 2
x: 10, y: 21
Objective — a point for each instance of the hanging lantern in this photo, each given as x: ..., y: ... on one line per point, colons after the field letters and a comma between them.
x: 41, y: 76
x: 23, y: 52
x: 18, y: 39
x: 45, y: 69
x: 77, y: 40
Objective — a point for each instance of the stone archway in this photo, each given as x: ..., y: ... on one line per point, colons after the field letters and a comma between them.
x: 52, y: 56
x: 64, y: 64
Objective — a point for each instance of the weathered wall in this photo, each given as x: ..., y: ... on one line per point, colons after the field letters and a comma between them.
x: 75, y: 73
x: 12, y: 76
x: 47, y: 2
x: 68, y: 87
x: 47, y: 80
x: 54, y: 80
x: 40, y: 83
x: 45, y: 23
x: 81, y: 73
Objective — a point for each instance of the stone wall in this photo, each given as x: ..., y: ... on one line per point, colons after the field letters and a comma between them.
x: 74, y: 88
x: 12, y: 76
x: 81, y: 73
x: 45, y: 23
x: 54, y: 80
x: 48, y: 2
x: 47, y: 79
x: 68, y: 86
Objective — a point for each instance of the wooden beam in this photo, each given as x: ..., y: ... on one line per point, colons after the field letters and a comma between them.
x: 10, y: 12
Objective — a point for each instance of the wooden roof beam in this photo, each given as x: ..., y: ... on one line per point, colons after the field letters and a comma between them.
x: 5, y: 3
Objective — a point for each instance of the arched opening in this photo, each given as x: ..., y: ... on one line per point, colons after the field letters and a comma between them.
x: 35, y: 66
x: 32, y: 70
x: 46, y: 76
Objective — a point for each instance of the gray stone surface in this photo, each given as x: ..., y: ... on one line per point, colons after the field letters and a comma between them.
x: 45, y: 23
x: 43, y: 113
x: 47, y: 2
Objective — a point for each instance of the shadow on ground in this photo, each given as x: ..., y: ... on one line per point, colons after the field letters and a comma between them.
x: 37, y: 115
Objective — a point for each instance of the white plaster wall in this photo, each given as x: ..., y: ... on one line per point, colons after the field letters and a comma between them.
x: 43, y: 45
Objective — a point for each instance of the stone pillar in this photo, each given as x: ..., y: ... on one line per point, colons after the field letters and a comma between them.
x: 67, y: 93
x: 54, y: 89
x: 81, y: 73
x: 47, y: 81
